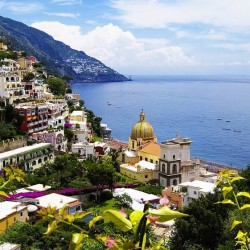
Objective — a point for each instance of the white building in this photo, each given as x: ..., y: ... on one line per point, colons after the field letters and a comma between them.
x: 175, y: 163
x: 28, y: 157
x: 84, y: 149
x: 58, y: 201
x: 196, y: 189
x: 138, y: 198
x: 11, y: 87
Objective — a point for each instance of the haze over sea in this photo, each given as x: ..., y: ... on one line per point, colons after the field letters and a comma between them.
x: 213, y: 111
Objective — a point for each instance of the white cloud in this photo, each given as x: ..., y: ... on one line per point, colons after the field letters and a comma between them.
x: 21, y: 7
x: 66, y: 2
x: 159, y: 14
x: 119, y: 49
x: 63, y: 14
x: 211, y: 34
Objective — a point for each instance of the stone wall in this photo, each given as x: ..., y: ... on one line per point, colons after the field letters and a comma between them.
x: 11, y: 144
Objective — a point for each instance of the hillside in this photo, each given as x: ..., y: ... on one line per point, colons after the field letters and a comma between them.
x: 57, y: 56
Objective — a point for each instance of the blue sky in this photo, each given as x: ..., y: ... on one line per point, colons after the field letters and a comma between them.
x: 147, y: 36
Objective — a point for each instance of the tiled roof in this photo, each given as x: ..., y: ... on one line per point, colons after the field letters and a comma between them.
x: 151, y: 148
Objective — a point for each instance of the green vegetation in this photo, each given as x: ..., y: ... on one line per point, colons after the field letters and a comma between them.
x: 57, y: 85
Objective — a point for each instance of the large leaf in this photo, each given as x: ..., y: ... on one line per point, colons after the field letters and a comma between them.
x: 118, y: 219
x: 76, y: 241
x: 2, y: 193
x: 246, y: 194
x: 70, y: 218
x: 237, y: 178
x: 235, y: 223
x: 226, y: 201
x: 245, y: 206
x: 94, y: 220
x: 79, y: 215
x: 51, y: 227
x: 226, y: 190
x: 135, y: 218
x: 166, y: 214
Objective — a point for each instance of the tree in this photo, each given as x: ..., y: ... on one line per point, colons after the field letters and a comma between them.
x: 114, y: 153
x: 100, y: 174
x: 57, y: 85
x: 7, y: 131
x: 203, y: 228
x: 28, y: 76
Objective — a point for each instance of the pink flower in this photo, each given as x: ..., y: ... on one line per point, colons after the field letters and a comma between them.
x: 110, y: 242
x: 123, y: 212
x: 152, y: 219
x: 164, y: 201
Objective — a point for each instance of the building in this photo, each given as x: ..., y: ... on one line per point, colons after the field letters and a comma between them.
x: 29, y: 157
x: 142, y: 171
x: 55, y: 137
x: 58, y: 201
x: 10, y: 212
x: 142, y: 133
x: 175, y: 163
x: 183, y: 193
x: 106, y: 131
x: 84, y: 149
x: 11, y: 88
x: 35, y: 117
x: 78, y: 116
x: 138, y: 198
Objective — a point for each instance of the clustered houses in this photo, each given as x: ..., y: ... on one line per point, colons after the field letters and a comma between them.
x: 43, y: 118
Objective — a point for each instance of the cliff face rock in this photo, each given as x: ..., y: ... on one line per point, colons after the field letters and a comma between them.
x: 57, y: 56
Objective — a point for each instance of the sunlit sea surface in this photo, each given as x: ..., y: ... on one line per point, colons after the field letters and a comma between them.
x: 213, y: 111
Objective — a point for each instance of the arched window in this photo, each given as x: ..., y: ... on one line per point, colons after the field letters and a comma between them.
x: 174, y: 182
x: 33, y: 163
x: 174, y: 169
x: 40, y: 160
x: 45, y: 158
x: 164, y: 156
x: 163, y: 168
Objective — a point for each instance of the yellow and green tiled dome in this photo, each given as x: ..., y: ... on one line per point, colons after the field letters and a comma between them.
x: 142, y: 129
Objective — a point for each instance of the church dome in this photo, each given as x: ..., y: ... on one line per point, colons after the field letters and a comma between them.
x: 142, y: 129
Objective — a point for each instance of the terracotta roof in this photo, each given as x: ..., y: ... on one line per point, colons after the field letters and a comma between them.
x: 116, y: 144
x: 74, y: 203
x: 151, y: 148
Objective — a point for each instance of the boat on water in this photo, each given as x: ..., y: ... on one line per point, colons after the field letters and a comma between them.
x: 219, y: 119
x: 227, y: 121
x: 237, y: 131
x: 117, y: 106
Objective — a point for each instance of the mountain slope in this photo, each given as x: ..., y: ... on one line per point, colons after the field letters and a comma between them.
x: 57, y: 56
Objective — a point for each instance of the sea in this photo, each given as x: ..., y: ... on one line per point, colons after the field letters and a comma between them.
x: 213, y: 111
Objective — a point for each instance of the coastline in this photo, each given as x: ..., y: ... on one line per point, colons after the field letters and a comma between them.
x: 216, y: 167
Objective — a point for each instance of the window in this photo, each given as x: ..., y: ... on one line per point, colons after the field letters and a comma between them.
x: 78, y: 208
x: 33, y: 163
x: 140, y: 158
x: 133, y: 144
x: 163, y: 168
x: 195, y: 192
x: 146, y: 176
x: 151, y: 160
x: 174, y: 157
x: 40, y: 161
x: 21, y: 214
x: 174, y: 182
x: 174, y: 169
x: 146, y: 159
x: 164, y: 156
